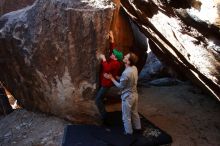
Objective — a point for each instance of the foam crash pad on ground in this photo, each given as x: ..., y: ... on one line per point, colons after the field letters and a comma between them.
x: 150, y: 135
x: 112, y: 134
x: 92, y: 135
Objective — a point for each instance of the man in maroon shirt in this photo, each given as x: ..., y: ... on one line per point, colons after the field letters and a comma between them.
x: 113, y: 65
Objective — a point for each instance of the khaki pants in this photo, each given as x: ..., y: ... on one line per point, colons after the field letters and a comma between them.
x: 130, y: 114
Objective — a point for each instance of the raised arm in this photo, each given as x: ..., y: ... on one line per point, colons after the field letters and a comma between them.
x: 112, y: 42
x: 111, y: 37
x: 107, y: 67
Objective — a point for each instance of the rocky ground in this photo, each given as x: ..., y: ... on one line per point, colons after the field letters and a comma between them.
x: 24, y: 128
x: 189, y: 116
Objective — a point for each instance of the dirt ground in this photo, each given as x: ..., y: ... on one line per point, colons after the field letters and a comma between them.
x: 189, y: 116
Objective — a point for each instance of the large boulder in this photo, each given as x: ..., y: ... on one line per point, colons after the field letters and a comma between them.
x: 48, y: 55
x: 191, y: 46
x: 152, y: 68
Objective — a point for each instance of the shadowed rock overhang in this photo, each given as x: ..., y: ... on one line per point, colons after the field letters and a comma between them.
x: 190, y: 45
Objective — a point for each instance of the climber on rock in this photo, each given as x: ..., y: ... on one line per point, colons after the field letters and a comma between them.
x: 113, y: 66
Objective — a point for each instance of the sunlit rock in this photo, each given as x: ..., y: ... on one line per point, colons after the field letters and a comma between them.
x: 191, y: 48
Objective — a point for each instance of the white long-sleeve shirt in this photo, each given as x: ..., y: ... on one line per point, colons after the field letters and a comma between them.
x: 128, y: 82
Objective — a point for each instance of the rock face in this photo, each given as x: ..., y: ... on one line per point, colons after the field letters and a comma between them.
x: 126, y: 35
x: 191, y: 46
x: 152, y: 68
x: 122, y: 31
x: 48, y: 55
x: 13, y: 5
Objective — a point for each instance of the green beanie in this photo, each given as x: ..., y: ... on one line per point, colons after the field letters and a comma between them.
x: 118, y: 54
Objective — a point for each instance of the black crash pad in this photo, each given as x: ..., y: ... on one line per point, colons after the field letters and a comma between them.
x: 91, y: 135
x: 150, y: 135
x: 112, y: 135
x: 80, y: 135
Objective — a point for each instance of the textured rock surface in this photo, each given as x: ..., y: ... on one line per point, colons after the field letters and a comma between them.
x: 157, y: 73
x: 127, y: 37
x: 192, y: 49
x: 48, y: 52
x: 122, y: 30
x: 152, y: 69
x: 13, y: 5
